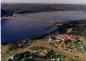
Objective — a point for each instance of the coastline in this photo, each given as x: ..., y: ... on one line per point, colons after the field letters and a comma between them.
x: 55, y: 32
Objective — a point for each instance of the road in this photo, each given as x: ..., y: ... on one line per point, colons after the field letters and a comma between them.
x: 81, y: 56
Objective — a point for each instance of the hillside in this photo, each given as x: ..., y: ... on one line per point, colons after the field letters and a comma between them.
x: 10, y: 9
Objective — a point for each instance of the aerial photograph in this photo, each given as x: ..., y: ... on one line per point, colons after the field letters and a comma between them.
x: 43, y: 31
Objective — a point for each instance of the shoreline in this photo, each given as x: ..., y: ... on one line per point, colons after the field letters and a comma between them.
x: 54, y: 32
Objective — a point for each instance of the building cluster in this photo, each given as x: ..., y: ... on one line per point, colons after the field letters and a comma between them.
x: 61, y: 38
x: 40, y: 51
x: 68, y: 42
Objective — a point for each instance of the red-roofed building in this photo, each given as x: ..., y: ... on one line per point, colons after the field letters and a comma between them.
x: 68, y: 37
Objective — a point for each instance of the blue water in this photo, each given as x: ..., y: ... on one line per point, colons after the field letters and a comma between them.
x: 33, y: 25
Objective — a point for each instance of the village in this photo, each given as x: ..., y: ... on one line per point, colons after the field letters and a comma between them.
x: 59, y: 47
x: 55, y: 48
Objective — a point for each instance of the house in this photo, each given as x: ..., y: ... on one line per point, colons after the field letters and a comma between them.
x: 52, y: 39
x: 68, y: 38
